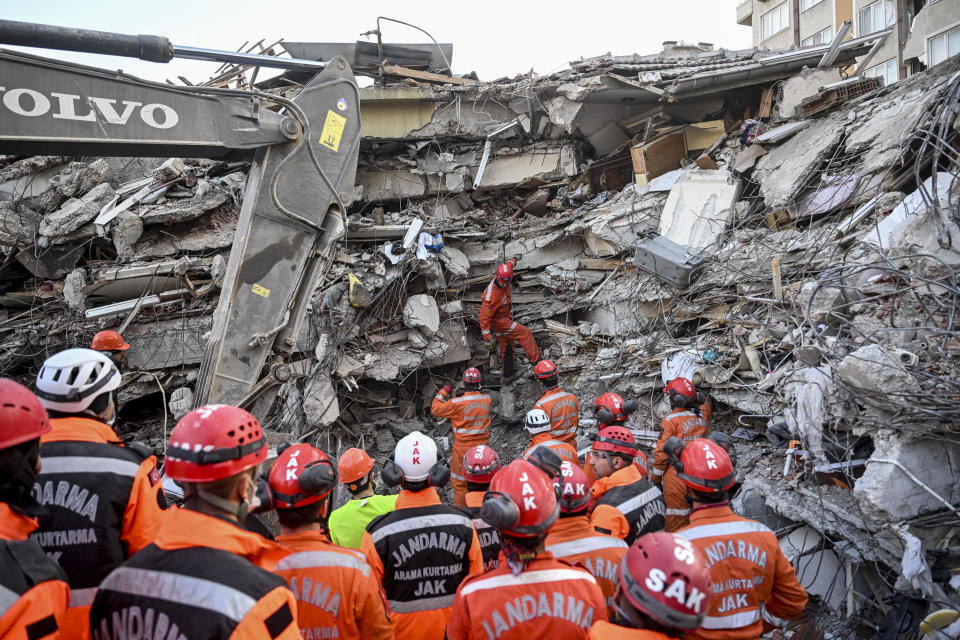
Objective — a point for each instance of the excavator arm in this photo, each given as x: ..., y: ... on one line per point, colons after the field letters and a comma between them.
x: 304, y: 162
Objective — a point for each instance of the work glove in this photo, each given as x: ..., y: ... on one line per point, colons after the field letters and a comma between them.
x: 489, y: 344
x: 517, y: 257
x: 446, y: 389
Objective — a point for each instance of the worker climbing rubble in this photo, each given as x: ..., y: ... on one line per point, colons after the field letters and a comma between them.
x: 496, y: 320
x: 561, y: 406
x: 480, y: 463
x: 350, y: 520
x: 337, y: 594
x: 688, y: 420
x: 469, y: 416
x: 563, y: 600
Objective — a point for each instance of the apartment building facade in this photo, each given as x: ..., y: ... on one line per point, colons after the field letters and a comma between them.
x: 924, y: 32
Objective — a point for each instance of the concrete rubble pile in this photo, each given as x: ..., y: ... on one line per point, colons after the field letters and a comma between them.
x: 675, y: 216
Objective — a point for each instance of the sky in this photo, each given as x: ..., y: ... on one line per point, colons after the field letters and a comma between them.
x: 495, y: 38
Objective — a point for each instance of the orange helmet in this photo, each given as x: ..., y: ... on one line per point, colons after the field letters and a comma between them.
x: 301, y: 476
x: 521, y: 501
x: 108, y: 341
x: 22, y: 416
x: 214, y: 442
x: 705, y: 466
x: 353, y: 465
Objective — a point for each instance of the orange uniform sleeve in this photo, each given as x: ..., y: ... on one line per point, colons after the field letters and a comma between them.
x: 458, y: 628
x: 667, y: 429
x: 610, y: 521
x: 487, y: 311
x: 143, y: 515
x: 475, y: 554
x: 373, y: 558
x: 706, y: 410
x: 40, y: 608
x: 274, y: 616
x: 787, y: 597
x: 372, y: 618
x: 441, y: 407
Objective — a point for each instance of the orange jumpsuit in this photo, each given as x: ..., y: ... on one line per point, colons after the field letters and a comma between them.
x: 33, y: 589
x: 204, y: 576
x: 470, y: 420
x: 626, y: 505
x: 564, y: 411
x: 604, y: 630
x: 687, y: 426
x: 549, y: 599
x: 754, y: 584
x: 337, y: 593
x: 120, y: 509
x: 496, y: 320
x: 562, y: 449
x: 573, y: 539
x: 420, y: 601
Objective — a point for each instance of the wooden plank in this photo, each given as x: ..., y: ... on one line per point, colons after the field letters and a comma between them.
x: 425, y: 76
x: 601, y: 264
x: 766, y: 103
x: 703, y: 134
x: 659, y: 156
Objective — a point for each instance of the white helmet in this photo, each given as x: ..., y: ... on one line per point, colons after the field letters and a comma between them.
x: 416, y: 455
x: 537, y: 421
x: 71, y: 380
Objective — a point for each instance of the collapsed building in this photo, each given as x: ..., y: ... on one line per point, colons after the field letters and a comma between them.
x: 777, y: 231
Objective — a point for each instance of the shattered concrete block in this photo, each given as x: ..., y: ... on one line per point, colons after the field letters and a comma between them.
x: 348, y: 366
x: 75, y: 212
x: 786, y: 168
x: 416, y: 339
x: 454, y: 308
x: 872, y: 369
x: 421, y: 312
x: 541, y: 162
x: 563, y: 112
x: 805, y: 84
x: 181, y: 402
x: 698, y: 208
x: 880, y: 126
x: 455, y: 261
x: 126, y: 232
x: 826, y: 301
x: 50, y: 262
x: 385, y: 441
x: 18, y: 225
x: 169, y: 170
x: 73, y: 289
x: 167, y: 343
x: 885, y: 487
x: 320, y: 404
x: 187, y: 237
x: 391, y: 185
x: 208, y: 196
x: 80, y: 178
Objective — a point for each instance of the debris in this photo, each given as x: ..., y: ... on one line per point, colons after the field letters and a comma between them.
x: 420, y: 312
x: 698, y: 208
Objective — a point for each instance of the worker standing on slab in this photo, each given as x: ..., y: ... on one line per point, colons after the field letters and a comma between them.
x: 348, y: 522
x: 573, y: 538
x: 469, y: 416
x: 663, y: 592
x: 562, y: 406
x: 112, y: 344
x: 337, y: 594
x: 103, y: 500
x: 688, y: 420
x: 611, y: 410
x: 556, y: 600
x: 421, y: 551
x: 480, y: 463
x: 33, y: 588
x: 625, y: 504
x: 496, y: 320
x: 204, y: 576
x: 537, y: 424
x: 755, y: 588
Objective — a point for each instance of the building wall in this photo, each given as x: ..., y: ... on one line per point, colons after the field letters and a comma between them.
x: 890, y: 46
x: 781, y: 40
x: 933, y: 19
x: 816, y: 19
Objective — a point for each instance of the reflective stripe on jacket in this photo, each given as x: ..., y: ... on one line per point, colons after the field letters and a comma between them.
x: 495, y: 303
x: 488, y: 536
x: 627, y: 505
x: 572, y: 538
x: 564, y: 411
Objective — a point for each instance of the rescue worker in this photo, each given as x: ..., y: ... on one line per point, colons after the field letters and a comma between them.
x: 688, y: 420
x: 112, y: 344
x: 555, y: 599
x: 103, y: 500
x: 204, y: 576
x: 337, y: 594
x: 537, y: 424
x: 755, y: 587
x: 479, y: 465
x: 610, y: 410
x: 562, y: 406
x: 496, y: 319
x: 663, y: 592
x: 625, y: 504
x: 348, y: 522
x: 572, y: 538
x: 33, y: 588
x: 421, y: 551
x: 470, y: 420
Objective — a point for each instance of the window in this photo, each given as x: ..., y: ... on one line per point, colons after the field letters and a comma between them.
x: 943, y: 46
x: 875, y: 17
x: 886, y: 70
x: 774, y: 21
x: 806, y: 4
x: 823, y: 37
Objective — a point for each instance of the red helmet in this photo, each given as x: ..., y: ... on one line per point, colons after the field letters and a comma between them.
x: 575, y: 492
x: 480, y: 463
x: 22, y: 416
x: 521, y: 501
x: 505, y: 272
x: 608, y: 409
x: 643, y: 465
x: 665, y: 577
x: 354, y: 464
x: 681, y: 386
x: 300, y: 476
x: 214, y: 442
x: 617, y: 440
x: 706, y: 466
x: 472, y: 376
x: 108, y: 341
x: 544, y: 369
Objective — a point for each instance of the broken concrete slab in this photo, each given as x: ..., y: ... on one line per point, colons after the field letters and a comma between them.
x: 166, y: 343
x: 186, y: 237
x: 73, y: 290
x: 455, y: 261
x: 537, y: 161
x: 698, y: 208
x: 782, y: 172
x: 320, y: 404
x: 420, y: 312
x: 391, y: 185
x: 181, y: 402
x: 207, y: 197
x: 50, y: 262
x: 879, y: 127
x: 18, y: 225
x: 75, y: 213
x: 802, y: 86
x: 126, y: 232
x: 872, y: 369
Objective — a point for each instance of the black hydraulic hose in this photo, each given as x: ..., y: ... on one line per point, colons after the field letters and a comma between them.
x: 144, y: 47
